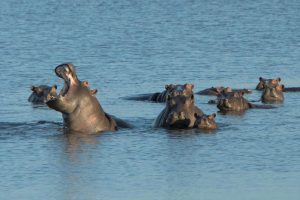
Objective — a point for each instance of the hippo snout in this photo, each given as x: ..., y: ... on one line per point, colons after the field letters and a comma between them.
x: 174, y: 116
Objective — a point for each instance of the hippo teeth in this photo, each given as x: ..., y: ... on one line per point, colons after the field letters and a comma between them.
x: 65, y: 89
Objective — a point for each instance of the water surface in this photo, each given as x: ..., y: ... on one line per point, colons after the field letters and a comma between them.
x: 134, y: 47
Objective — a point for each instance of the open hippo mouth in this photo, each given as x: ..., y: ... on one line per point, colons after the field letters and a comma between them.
x: 66, y: 72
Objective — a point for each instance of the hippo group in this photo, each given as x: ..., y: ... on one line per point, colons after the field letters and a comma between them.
x: 82, y: 112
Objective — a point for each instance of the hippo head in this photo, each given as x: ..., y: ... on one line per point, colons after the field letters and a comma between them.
x: 72, y: 91
x: 205, y: 121
x: 186, y: 89
x: 41, y: 92
x: 273, y: 93
x: 232, y: 101
x: 180, y: 104
x: 263, y: 82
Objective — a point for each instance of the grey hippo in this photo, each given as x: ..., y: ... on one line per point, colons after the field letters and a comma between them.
x: 159, y: 97
x: 40, y: 93
x: 206, y: 122
x: 273, y: 93
x: 80, y: 109
x: 180, y: 110
x: 214, y: 91
x: 236, y: 102
x: 264, y: 81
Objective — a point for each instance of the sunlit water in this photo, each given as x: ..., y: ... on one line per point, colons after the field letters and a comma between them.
x: 131, y: 47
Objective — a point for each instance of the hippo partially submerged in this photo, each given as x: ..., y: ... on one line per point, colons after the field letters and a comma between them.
x: 272, y: 93
x: 180, y: 110
x: 40, y: 93
x: 237, y: 103
x: 273, y: 82
x: 214, y: 91
x: 159, y: 97
x: 206, y: 122
x: 80, y: 109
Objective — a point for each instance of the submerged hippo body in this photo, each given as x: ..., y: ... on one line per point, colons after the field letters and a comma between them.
x: 180, y: 110
x: 158, y: 97
x: 80, y: 109
x: 206, y: 122
x: 215, y: 91
x: 237, y: 103
x: 40, y: 93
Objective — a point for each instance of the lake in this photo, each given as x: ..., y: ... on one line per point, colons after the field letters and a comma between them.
x: 133, y: 47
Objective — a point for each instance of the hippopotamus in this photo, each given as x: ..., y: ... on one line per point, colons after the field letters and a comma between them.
x: 206, y: 122
x: 263, y: 82
x: 158, y: 97
x: 214, y: 91
x: 272, y: 93
x: 180, y: 110
x: 236, y: 102
x: 80, y: 109
x: 274, y: 83
x: 40, y: 93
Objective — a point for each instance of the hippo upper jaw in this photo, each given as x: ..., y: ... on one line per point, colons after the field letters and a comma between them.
x: 66, y: 72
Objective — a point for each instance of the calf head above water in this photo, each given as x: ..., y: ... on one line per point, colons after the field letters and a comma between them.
x: 205, y: 121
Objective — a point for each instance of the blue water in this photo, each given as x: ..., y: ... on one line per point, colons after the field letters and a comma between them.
x: 131, y: 47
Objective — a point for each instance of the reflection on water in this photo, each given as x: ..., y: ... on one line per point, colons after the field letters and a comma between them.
x: 125, y: 48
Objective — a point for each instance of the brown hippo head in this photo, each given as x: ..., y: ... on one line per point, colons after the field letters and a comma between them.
x: 233, y: 101
x: 205, y: 121
x: 273, y: 93
x: 263, y: 82
x: 180, y: 108
x: 39, y: 93
x: 80, y: 109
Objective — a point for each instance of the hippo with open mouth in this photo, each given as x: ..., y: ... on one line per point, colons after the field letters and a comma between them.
x: 80, y: 109
x: 180, y: 110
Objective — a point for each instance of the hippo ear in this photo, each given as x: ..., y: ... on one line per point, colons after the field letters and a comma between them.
x: 54, y: 86
x: 278, y: 79
x: 94, y: 92
x: 35, y: 89
x: 85, y: 83
x: 260, y: 78
x: 212, y: 116
x: 189, y: 86
x: 32, y: 88
x: 169, y: 86
x: 280, y: 87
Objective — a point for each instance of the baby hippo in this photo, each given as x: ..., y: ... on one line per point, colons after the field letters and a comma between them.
x: 180, y: 110
x: 272, y: 93
x: 40, y: 93
x: 206, y: 122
